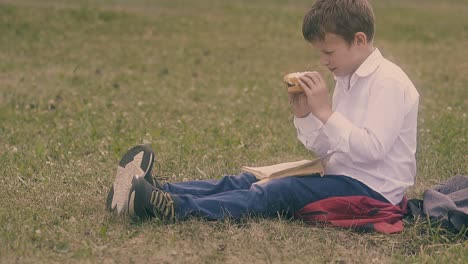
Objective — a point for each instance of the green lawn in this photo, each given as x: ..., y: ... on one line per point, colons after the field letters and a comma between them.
x: 82, y: 81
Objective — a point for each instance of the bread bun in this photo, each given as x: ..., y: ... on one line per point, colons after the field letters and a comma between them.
x: 292, y: 81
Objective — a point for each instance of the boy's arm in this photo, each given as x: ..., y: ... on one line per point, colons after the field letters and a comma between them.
x: 385, y: 115
x: 386, y: 112
x: 308, y: 127
x: 309, y: 132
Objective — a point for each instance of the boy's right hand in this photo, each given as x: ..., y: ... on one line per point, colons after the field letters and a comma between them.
x: 300, y: 106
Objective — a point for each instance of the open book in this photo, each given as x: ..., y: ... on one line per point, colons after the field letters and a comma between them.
x: 295, y: 168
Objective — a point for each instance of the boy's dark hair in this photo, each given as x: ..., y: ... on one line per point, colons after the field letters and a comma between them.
x: 341, y: 17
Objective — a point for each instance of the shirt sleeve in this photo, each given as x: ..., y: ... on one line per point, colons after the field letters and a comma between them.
x: 385, y: 115
x: 309, y: 132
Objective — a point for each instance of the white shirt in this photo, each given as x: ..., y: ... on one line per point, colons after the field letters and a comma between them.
x: 373, y: 128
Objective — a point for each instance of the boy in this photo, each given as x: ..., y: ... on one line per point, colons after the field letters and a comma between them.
x: 371, y: 126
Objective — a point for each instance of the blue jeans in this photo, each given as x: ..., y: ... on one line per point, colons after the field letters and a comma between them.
x: 238, y: 196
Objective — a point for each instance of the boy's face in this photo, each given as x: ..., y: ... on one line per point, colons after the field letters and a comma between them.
x: 340, y: 57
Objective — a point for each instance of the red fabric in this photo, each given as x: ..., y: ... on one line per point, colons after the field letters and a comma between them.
x: 356, y: 212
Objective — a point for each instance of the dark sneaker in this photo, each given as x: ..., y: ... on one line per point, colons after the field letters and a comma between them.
x: 137, y: 161
x: 145, y: 201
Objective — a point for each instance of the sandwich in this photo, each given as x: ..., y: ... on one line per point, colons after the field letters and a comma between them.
x: 292, y: 81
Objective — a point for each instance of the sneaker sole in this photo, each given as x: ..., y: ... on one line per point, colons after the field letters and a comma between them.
x: 131, y: 204
x: 136, y: 162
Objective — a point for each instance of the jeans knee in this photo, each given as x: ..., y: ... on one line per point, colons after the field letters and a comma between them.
x: 243, y: 178
x: 276, y: 190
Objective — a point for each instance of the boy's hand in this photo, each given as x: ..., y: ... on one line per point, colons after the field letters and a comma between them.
x: 315, y: 88
x: 299, y: 104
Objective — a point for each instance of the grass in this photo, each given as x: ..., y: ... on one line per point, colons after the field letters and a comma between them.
x: 82, y: 81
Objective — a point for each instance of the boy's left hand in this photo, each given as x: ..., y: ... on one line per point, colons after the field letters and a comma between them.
x: 316, y: 91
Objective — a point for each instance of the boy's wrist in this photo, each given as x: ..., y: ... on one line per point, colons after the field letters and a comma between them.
x: 301, y: 115
x: 324, y: 115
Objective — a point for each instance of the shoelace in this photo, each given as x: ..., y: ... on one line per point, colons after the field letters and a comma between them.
x: 155, y: 174
x: 163, y: 204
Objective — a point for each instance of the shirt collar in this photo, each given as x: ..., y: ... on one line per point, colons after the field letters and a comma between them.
x: 370, y: 64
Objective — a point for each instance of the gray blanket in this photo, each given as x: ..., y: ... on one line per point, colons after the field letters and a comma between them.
x: 446, y: 202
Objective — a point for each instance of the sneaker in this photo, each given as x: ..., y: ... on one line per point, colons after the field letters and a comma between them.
x: 137, y: 161
x: 146, y: 202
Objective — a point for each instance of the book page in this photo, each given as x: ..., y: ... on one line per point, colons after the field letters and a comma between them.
x: 295, y: 168
x: 268, y: 171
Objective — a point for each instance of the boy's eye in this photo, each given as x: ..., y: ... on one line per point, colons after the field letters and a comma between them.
x: 328, y: 52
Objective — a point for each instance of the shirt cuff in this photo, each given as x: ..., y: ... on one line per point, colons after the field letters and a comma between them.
x: 337, y: 129
x: 308, y: 125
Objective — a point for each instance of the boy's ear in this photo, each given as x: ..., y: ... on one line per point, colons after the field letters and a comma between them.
x: 360, y: 38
